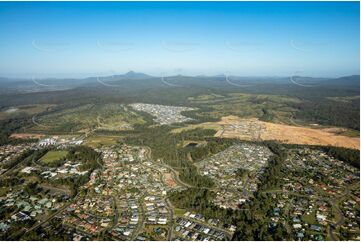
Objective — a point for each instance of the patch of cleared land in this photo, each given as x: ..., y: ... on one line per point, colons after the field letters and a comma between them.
x: 27, y: 136
x: 97, y: 141
x: 11, y: 110
x: 54, y: 155
x: 192, y: 143
x: 275, y: 108
x: 302, y: 135
x: 109, y: 117
x: 344, y: 99
x: 207, y: 125
x: 169, y: 180
x: 254, y: 129
x: 18, y: 111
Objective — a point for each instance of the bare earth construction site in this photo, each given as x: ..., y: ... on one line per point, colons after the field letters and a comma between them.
x: 254, y: 129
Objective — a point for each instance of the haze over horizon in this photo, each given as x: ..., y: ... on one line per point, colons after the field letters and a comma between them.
x: 130, y: 73
x: 82, y: 39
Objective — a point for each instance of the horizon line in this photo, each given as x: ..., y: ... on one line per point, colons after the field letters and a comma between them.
x: 88, y: 75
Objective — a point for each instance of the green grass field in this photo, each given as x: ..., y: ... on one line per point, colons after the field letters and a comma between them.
x: 54, y: 155
x: 97, y: 141
x: 109, y: 117
x: 179, y: 211
x: 310, y: 219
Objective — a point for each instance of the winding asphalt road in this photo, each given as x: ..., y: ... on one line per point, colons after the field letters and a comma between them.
x: 174, y: 172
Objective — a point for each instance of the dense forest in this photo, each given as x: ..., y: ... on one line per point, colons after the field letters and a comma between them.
x: 9, y: 126
x: 349, y: 156
x: 328, y: 112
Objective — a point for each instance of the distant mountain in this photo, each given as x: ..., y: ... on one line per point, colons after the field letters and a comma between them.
x: 353, y: 80
x: 131, y: 75
x: 136, y: 80
x: 346, y: 81
x: 6, y: 79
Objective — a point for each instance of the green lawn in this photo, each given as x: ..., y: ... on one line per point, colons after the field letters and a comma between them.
x: 4, y: 191
x: 179, y: 211
x: 54, y: 155
x: 310, y: 219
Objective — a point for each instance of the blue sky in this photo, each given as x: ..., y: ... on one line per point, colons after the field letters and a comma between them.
x: 73, y: 39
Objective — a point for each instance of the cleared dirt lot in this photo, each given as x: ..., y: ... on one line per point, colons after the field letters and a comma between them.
x: 254, y: 129
x: 169, y: 180
x: 27, y: 136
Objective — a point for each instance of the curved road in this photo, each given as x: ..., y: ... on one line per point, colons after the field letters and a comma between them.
x: 174, y: 172
x: 342, y: 217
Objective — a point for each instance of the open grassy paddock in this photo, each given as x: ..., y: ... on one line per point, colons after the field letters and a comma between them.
x: 97, y: 141
x: 109, y: 117
x: 20, y: 111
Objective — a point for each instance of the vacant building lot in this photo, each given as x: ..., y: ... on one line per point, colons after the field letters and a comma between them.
x: 253, y: 129
x: 84, y: 118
